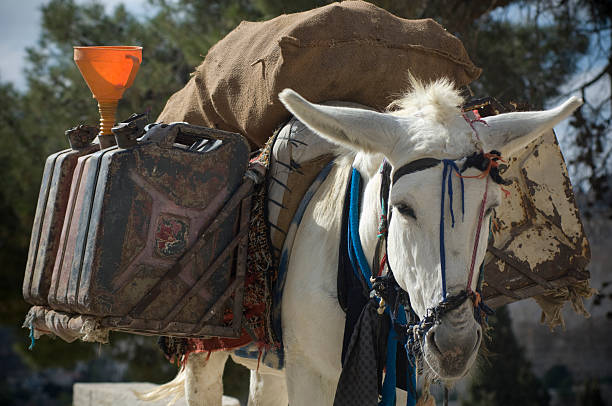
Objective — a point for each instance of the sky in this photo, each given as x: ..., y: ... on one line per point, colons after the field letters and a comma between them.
x: 20, y: 28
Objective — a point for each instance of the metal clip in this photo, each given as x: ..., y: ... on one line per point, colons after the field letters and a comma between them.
x: 381, y: 306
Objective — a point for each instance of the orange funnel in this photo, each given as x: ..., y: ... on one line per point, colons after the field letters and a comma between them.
x: 108, y: 71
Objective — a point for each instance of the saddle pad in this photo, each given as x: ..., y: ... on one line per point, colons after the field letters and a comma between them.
x: 298, y: 156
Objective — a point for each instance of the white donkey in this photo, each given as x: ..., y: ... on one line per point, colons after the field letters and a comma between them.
x: 426, y: 123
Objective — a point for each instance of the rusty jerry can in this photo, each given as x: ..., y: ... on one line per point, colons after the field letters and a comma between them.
x: 154, y: 236
x: 50, y: 212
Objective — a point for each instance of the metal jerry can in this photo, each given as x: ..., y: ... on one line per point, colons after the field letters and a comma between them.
x: 50, y: 212
x: 131, y: 249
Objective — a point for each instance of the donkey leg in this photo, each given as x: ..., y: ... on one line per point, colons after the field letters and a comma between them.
x: 204, y: 378
x: 400, y: 397
x: 307, y: 387
x: 267, y: 390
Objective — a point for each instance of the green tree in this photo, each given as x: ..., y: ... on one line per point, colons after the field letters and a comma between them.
x: 504, y: 376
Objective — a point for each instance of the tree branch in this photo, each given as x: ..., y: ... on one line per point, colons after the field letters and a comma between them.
x: 604, y: 71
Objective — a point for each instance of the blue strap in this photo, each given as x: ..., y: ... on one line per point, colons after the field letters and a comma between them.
x: 442, y: 250
x: 356, y: 255
x: 388, y: 392
x: 449, y: 167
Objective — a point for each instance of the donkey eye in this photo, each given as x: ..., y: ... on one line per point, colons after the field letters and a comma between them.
x: 406, y: 210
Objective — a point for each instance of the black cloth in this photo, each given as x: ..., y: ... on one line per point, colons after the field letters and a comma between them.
x: 360, y: 379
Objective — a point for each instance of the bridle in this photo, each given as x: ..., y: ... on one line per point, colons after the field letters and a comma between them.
x: 384, y: 285
x: 487, y: 163
x: 407, y: 327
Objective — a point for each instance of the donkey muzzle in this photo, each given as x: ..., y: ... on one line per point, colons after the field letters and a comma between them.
x: 452, y: 345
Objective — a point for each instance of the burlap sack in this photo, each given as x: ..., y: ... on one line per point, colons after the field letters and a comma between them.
x: 352, y: 51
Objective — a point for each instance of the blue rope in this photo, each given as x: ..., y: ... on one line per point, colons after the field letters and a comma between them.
x: 411, y: 378
x: 32, y: 339
x: 442, y: 250
x: 449, y: 167
x: 388, y: 390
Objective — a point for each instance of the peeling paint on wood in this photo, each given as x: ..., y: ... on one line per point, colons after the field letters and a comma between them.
x: 539, y: 243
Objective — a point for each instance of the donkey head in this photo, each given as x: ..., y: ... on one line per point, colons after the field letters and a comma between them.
x: 436, y: 240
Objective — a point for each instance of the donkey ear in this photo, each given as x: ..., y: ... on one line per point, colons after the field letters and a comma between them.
x: 346, y: 126
x: 509, y: 132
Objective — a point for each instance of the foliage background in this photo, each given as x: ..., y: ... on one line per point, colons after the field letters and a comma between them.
x: 534, y: 51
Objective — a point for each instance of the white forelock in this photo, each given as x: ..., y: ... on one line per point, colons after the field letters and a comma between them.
x: 438, y: 100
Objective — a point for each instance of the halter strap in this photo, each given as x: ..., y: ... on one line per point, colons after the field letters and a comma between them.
x: 481, y: 161
x: 415, y: 166
x: 476, y: 240
x: 447, y: 184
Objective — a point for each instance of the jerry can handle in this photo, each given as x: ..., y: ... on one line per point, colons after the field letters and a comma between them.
x: 128, y: 131
x: 192, y: 138
x: 180, y: 134
x: 161, y: 134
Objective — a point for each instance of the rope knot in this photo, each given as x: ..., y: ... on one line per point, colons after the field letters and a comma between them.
x: 382, y: 226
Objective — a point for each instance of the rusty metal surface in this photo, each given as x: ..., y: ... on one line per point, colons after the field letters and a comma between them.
x: 50, y: 212
x: 78, y: 198
x: 208, y: 321
x: 538, y: 241
x: 131, y: 251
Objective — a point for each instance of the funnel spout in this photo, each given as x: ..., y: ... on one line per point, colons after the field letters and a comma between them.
x: 108, y: 71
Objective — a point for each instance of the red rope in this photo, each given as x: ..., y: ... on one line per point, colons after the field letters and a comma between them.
x: 493, y: 158
x: 476, y: 298
x: 480, y: 218
x: 259, y: 359
x: 478, y: 119
x: 383, y: 261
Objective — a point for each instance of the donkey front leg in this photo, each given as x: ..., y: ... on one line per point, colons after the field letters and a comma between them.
x: 267, y: 390
x: 307, y: 387
x: 204, y: 378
